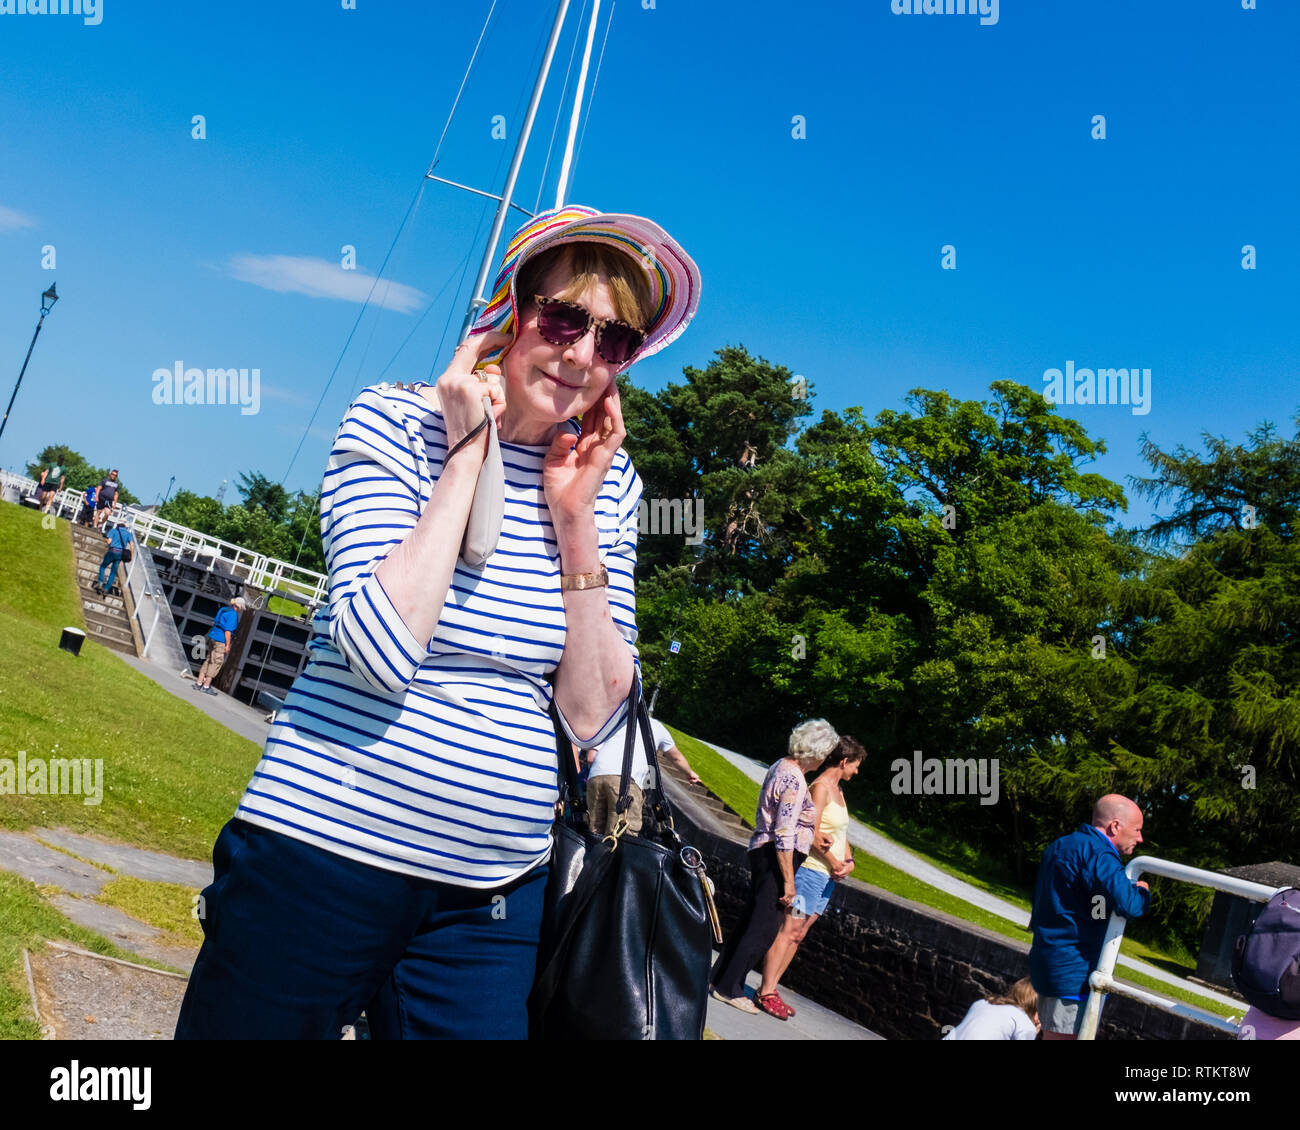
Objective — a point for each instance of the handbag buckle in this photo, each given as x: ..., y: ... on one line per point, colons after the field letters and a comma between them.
x: 616, y: 832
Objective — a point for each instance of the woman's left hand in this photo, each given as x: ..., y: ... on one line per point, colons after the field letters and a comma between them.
x: 576, y: 466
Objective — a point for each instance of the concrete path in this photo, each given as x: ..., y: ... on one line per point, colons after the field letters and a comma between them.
x: 810, y: 1022
x: 230, y: 712
x: 78, y: 883
x: 887, y: 851
x: 152, y: 865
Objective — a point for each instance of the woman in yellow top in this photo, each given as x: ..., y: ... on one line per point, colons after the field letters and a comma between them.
x: 815, y: 879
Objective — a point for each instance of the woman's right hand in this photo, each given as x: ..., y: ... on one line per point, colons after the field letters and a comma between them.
x: 460, y: 390
x: 787, y: 899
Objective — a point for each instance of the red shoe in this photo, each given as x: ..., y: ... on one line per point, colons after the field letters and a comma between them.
x: 788, y: 1007
x: 773, y: 1005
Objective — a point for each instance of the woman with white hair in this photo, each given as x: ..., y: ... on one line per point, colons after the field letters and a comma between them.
x: 783, y: 834
x: 219, y: 639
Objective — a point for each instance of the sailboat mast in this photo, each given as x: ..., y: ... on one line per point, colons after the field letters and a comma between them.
x: 494, y: 237
x: 562, y: 188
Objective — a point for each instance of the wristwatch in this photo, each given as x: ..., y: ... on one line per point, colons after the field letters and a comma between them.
x: 570, y: 581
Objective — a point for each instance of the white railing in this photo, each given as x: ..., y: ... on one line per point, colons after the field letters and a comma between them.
x: 1102, y: 980
x: 268, y: 573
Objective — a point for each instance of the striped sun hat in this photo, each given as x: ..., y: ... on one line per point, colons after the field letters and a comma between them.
x: 674, y: 277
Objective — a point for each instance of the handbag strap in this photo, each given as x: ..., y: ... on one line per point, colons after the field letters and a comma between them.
x: 637, y: 721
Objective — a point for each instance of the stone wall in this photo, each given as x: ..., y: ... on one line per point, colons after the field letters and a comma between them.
x: 898, y: 968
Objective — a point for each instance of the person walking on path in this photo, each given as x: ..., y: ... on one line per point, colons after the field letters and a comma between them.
x: 119, y: 546
x: 606, y: 769
x: 391, y: 850
x: 1081, y: 883
x: 220, y: 636
x: 783, y: 833
x: 52, y: 480
x: 815, y: 880
x: 106, y: 499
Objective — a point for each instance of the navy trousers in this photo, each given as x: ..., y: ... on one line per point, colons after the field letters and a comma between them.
x: 753, y: 935
x: 297, y: 941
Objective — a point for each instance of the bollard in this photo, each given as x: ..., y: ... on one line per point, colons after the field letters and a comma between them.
x: 71, y: 640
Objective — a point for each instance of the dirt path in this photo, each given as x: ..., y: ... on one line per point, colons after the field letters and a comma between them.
x: 83, y: 996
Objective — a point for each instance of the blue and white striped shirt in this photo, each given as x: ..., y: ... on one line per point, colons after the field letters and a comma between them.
x: 434, y: 760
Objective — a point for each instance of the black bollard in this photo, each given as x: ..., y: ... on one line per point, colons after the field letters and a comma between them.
x: 71, y: 640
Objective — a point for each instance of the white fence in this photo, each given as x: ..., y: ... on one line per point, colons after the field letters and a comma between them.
x: 257, y: 569
x: 1102, y: 980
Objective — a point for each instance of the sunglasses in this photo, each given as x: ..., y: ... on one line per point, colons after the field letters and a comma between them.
x: 563, y: 323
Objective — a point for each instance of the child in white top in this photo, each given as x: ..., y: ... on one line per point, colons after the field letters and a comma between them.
x: 1011, y: 1016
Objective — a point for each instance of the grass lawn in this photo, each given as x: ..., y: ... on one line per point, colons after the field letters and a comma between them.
x: 171, y: 776
x: 285, y: 607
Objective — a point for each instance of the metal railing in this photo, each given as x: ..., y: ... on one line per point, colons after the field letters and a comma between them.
x: 257, y: 569
x: 1102, y: 980
x: 161, y: 642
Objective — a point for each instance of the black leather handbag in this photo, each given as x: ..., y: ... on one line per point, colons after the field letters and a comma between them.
x: 628, y: 920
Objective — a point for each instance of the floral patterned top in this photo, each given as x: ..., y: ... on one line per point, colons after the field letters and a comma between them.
x: 786, y: 812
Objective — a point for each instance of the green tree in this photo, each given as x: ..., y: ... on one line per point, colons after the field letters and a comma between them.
x: 198, y: 512
x: 1211, y: 727
x: 259, y: 493
x: 79, y: 474
x: 722, y: 435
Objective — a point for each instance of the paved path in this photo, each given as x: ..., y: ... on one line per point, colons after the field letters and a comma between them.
x: 230, y: 712
x: 887, y: 851
x: 78, y: 883
x: 811, y: 1021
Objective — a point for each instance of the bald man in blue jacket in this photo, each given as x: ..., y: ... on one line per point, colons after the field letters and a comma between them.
x: 1081, y: 882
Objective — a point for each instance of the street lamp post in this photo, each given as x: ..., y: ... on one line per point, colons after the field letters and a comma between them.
x: 48, y: 299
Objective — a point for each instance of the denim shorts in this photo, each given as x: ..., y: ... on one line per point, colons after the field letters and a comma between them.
x: 812, y: 891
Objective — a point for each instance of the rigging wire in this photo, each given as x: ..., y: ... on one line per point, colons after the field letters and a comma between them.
x: 463, y: 81
x: 364, y: 306
x: 451, y: 310
x: 459, y: 267
x: 410, y: 210
x: 374, y: 325
x: 483, y: 213
x: 592, y: 100
x: 559, y: 109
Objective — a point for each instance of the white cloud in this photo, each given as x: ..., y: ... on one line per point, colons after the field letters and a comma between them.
x: 322, y: 278
x: 12, y: 221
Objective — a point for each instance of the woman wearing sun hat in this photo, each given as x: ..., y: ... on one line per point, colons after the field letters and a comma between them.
x: 390, y: 851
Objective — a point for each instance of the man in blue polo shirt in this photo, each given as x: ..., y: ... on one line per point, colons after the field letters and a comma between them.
x: 220, y: 637
x: 119, y: 541
x: 1081, y: 882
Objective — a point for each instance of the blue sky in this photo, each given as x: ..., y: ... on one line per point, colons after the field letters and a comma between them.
x: 821, y: 254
